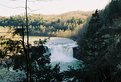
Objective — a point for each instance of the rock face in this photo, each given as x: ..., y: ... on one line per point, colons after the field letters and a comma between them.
x: 75, y: 53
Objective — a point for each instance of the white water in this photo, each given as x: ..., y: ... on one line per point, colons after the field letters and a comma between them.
x: 62, y: 52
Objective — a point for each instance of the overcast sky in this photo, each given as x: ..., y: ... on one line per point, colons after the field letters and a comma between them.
x: 14, y: 7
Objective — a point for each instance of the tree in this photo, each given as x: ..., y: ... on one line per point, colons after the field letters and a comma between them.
x: 99, y: 50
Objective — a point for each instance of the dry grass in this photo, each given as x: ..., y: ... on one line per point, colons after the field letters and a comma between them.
x: 7, y: 33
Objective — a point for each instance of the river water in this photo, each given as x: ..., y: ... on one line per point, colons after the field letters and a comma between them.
x: 62, y: 52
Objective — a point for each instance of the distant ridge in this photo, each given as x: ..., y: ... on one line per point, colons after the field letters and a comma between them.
x: 67, y: 15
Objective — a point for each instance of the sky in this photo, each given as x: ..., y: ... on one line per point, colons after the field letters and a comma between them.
x: 15, y: 7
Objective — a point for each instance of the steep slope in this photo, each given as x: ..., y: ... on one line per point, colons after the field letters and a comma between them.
x: 100, y: 44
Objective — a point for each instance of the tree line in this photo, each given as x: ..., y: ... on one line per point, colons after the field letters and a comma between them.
x: 42, y: 26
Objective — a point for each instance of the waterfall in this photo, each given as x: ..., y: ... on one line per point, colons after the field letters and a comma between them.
x: 62, y: 52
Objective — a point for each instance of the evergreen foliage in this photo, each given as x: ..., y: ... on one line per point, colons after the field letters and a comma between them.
x: 99, y: 47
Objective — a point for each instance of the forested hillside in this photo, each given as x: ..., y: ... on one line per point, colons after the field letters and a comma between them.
x: 100, y: 44
x: 48, y: 25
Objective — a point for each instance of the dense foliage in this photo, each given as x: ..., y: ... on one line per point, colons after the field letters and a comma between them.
x: 100, y: 45
x: 12, y: 53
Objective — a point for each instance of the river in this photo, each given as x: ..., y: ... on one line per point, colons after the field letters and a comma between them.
x: 61, y: 52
